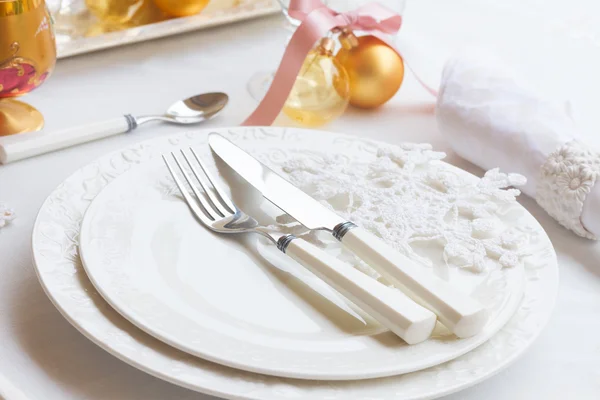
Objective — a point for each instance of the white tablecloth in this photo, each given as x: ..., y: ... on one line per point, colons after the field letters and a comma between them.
x: 43, y: 357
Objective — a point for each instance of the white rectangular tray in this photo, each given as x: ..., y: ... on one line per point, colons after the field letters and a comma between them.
x: 76, y: 43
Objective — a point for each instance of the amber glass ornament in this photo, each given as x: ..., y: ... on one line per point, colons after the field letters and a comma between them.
x: 27, y: 57
x: 148, y: 13
x: 375, y: 70
x: 181, y: 8
x: 321, y: 91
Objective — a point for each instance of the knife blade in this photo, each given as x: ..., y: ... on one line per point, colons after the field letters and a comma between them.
x: 461, y: 314
x: 306, y: 210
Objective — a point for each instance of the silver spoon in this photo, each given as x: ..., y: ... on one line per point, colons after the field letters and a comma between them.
x: 193, y: 110
x: 189, y: 111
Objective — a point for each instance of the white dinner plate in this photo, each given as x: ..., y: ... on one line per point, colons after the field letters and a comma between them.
x: 55, y: 243
x: 216, y: 296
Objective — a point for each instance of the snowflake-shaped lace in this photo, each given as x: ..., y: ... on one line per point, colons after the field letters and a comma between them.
x: 415, y: 203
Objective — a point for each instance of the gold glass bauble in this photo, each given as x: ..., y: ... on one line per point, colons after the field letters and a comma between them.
x: 181, y: 8
x: 114, y: 11
x: 321, y: 91
x: 375, y: 70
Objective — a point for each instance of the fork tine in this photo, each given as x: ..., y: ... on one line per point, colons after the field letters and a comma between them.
x: 224, y: 199
x: 200, y: 214
x: 216, y: 204
x: 205, y: 205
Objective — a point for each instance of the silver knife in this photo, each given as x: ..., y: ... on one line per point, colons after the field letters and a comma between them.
x: 460, y: 313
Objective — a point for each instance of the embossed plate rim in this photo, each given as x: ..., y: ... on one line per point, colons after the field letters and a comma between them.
x: 167, y: 363
x: 370, y: 361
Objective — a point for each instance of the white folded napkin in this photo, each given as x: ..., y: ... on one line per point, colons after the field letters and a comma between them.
x: 491, y: 118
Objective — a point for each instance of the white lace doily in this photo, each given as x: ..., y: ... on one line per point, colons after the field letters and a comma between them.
x: 566, y: 179
x: 55, y: 241
x: 411, y: 201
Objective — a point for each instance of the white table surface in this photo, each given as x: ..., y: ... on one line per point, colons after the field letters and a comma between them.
x: 43, y: 357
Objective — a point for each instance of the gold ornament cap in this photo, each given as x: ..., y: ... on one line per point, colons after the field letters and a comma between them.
x: 348, y: 39
x: 326, y: 45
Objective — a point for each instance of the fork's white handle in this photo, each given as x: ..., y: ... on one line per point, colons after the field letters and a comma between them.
x: 392, y: 308
x: 24, y: 145
x: 460, y: 313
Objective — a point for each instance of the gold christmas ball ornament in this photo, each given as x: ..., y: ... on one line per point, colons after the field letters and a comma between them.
x: 375, y: 69
x: 322, y: 90
x: 181, y: 8
x: 148, y: 13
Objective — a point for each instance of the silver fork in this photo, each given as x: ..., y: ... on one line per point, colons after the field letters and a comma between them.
x: 215, y: 210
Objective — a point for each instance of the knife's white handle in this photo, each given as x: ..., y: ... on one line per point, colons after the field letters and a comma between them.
x: 24, y: 145
x: 460, y: 313
x: 392, y: 308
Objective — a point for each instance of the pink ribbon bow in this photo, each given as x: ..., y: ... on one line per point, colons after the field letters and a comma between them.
x: 317, y: 20
x: 372, y: 16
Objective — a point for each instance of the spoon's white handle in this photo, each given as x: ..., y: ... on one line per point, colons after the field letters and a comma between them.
x: 392, y: 308
x: 24, y: 145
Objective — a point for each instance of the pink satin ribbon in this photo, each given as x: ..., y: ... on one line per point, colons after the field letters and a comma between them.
x: 317, y: 20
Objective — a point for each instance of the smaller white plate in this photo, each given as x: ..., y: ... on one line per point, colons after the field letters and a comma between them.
x: 217, y: 296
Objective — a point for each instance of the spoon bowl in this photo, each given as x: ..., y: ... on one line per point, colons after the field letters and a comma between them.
x: 192, y: 110
x: 198, y: 108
